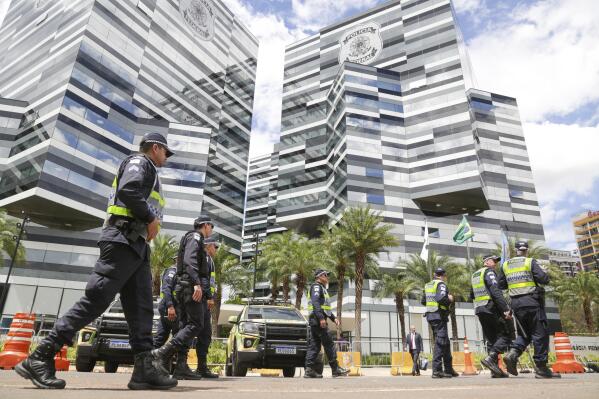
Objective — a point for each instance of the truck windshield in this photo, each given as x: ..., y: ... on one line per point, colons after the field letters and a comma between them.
x: 273, y: 313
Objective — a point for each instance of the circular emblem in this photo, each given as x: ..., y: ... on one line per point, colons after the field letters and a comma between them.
x: 199, y: 17
x: 361, y: 44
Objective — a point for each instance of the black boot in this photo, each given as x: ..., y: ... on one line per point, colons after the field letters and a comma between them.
x: 338, y: 371
x: 452, y: 372
x: 311, y: 373
x: 542, y: 371
x: 164, y: 356
x: 511, y: 361
x: 182, y: 370
x: 147, y: 373
x: 203, y: 369
x: 39, y: 366
x: 440, y: 374
x: 490, y: 362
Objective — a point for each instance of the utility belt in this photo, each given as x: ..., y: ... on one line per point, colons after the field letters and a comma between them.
x: 132, y: 229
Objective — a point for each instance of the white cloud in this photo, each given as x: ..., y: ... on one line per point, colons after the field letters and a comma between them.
x: 316, y: 14
x: 545, y: 54
x: 467, y: 6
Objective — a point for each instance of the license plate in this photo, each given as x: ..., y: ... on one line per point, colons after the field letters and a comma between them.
x: 119, y: 344
x: 285, y: 350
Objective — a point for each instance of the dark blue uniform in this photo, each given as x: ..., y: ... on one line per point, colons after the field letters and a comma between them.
x: 498, y: 331
x: 319, y: 299
x: 167, y: 289
x: 204, y: 338
x: 124, y: 263
x: 529, y: 309
x: 438, y: 321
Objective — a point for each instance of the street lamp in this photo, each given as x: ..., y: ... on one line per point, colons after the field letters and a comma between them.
x: 255, y: 245
x: 21, y: 226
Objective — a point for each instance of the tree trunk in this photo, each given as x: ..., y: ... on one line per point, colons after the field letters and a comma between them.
x: 588, y: 315
x: 401, y: 312
x: 341, y: 278
x: 300, y: 284
x: 286, y: 289
x: 156, y: 284
x: 454, y: 327
x: 274, y: 292
x: 358, y: 312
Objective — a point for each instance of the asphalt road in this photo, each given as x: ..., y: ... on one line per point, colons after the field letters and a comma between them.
x: 379, y: 385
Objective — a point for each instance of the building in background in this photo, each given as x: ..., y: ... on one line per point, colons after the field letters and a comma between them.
x: 380, y: 110
x: 81, y: 82
x: 568, y: 261
x: 586, y: 230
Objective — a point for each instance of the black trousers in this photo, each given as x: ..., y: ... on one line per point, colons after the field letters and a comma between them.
x: 497, y: 332
x: 190, y: 324
x: 532, y: 327
x: 118, y: 270
x: 320, y: 337
x: 415, y: 359
x: 442, y: 359
x: 204, y: 338
x: 165, y: 328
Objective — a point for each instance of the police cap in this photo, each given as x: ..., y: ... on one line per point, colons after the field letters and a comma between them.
x: 320, y: 272
x: 440, y: 271
x: 156, y: 138
x: 202, y: 219
x: 493, y: 257
x: 521, y: 245
x: 212, y: 241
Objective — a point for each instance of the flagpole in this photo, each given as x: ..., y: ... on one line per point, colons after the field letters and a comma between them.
x: 468, y: 252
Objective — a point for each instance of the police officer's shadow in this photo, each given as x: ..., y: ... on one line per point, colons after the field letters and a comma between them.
x: 178, y: 388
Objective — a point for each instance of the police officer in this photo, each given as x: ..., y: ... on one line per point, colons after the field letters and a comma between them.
x: 133, y: 219
x: 167, y: 306
x: 493, y: 313
x: 192, y: 274
x: 522, y: 277
x: 437, y: 300
x: 209, y: 288
x: 319, y: 305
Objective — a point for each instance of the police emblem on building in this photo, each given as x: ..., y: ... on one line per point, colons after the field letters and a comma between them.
x: 361, y: 44
x: 199, y: 17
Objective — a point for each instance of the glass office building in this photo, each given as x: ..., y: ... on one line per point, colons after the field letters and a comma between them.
x: 81, y: 82
x: 379, y: 110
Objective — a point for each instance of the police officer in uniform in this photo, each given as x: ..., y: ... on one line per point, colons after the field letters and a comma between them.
x: 209, y: 288
x: 133, y: 219
x: 437, y: 300
x: 522, y: 277
x: 319, y: 305
x: 167, y: 306
x: 493, y: 313
x: 192, y: 274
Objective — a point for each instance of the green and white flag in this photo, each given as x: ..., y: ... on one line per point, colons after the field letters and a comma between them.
x: 463, y: 232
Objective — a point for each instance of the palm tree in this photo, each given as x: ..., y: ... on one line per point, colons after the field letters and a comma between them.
x: 535, y: 250
x: 582, y: 290
x: 226, y: 269
x: 458, y: 285
x: 399, y: 286
x: 9, y: 230
x: 362, y: 233
x: 276, y: 252
x: 340, y: 259
x: 164, y: 249
x: 305, y: 257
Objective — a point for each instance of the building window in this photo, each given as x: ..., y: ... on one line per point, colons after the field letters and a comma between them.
x: 375, y: 199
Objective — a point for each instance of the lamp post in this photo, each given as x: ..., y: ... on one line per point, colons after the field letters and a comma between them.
x: 255, y: 245
x: 21, y: 226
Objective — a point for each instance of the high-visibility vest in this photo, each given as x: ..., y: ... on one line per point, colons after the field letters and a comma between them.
x: 518, y: 273
x: 327, y: 301
x: 430, y: 290
x: 481, y: 293
x: 155, y: 200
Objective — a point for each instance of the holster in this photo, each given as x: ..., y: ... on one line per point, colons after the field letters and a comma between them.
x: 136, y: 229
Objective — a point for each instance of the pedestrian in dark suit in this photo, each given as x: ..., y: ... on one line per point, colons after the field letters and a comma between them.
x: 414, y: 346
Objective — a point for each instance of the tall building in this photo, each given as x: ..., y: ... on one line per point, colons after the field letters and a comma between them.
x: 379, y: 110
x: 81, y: 82
x: 568, y: 261
x: 586, y: 230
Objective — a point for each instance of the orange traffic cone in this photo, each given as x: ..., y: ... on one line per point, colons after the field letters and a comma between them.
x: 60, y: 360
x: 565, y: 360
x: 18, y: 341
x: 468, y: 364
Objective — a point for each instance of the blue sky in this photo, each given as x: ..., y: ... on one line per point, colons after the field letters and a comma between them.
x: 543, y: 52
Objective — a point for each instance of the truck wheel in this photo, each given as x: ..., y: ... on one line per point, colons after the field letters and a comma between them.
x: 84, y: 364
x: 110, y: 367
x: 289, y: 372
x: 238, y: 369
x: 228, y: 367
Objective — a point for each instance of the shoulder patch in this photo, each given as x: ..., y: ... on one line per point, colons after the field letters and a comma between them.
x: 133, y: 168
x: 317, y: 288
x: 171, y: 274
x: 134, y: 161
x: 197, y: 236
